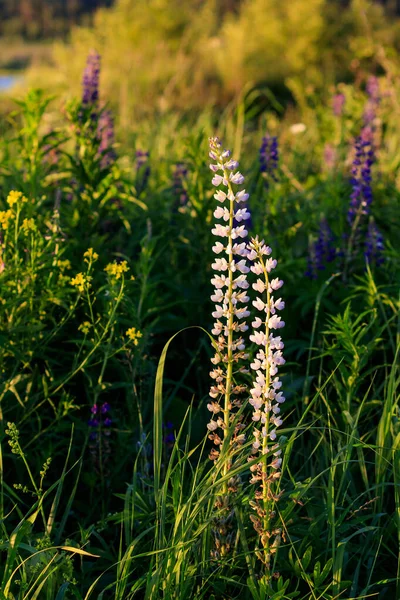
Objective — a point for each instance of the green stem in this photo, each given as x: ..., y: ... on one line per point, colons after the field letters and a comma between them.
x: 228, y: 383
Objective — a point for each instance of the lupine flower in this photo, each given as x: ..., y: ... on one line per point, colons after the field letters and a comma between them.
x: 180, y: 193
x: 374, y: 98
x: 269, y: 156
x: 230, y: 282
x: 338, y: 102
x: 99, y: 445
x: 90, y: 80
x: 105, y: 134
x: 142, y: 168
x: 322, y: 251
x: 374, y: 245
x: 266, y: 398
x: 169, y: 436
x: 361, y: 196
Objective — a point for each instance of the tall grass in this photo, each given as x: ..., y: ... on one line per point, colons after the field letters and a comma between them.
x: 94, y: 253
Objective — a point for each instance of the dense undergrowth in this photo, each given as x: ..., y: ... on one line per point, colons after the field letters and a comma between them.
x: 106, y: 486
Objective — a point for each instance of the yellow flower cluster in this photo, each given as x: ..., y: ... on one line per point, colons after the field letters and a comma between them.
x: 14, y: 197
x: 80, y: 281
x: 5, y: 217
x: 134, y: 335
x: 90, y: 255
x: 64, y: 264
x: 117, y: 269
x: 28, y: 225
x: 85, y: 327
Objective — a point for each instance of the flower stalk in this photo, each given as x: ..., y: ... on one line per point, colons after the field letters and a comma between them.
x: 266, y: 400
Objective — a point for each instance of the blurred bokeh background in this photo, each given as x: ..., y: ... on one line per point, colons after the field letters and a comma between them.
x: 180, y: 55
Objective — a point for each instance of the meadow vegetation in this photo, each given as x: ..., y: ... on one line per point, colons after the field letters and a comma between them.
x: 149, y: 448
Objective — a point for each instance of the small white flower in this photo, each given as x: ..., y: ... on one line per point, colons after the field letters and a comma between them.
x: 270, y: 264
x: 231, y: 165
x: 297, y: 128
x: 258, y: 337
x: 257, y: 268
x: 220, y: 230
x: 242, y: 215
x: 220, y: 264
x: 236, y: 178
x: 239, y: 249
x: 256, y: 323
x: 259, y: 287
x: 275, y: 322
x: 239, y: 232
x: 217, y: 296
x: 240, y: 282
x: 219, y: 281
x: 217, y: 180
x: 241, y: 196
x: 276, y: 284
x: 220, y: 196
x: 258, y: 304
x: 212, y: 425
x: 242, y: 267
x: 218, y: 247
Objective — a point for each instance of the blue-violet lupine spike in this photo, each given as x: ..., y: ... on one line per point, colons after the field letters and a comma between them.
x: 90, y: 80
x: 322, y: 251
x: 269, y: 156
x: 374, y: 245
x: 105, y: 133
x: 361, y: 197
x: 180, y: 193
x: 142, y: 168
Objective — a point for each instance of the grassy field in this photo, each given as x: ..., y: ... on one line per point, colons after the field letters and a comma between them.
x: 158, y: 439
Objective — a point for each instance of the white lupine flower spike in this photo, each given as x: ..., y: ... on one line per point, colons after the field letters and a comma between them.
x: 231, y: 309
x: 266, y: 400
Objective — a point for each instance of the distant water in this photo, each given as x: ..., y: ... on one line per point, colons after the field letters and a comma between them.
x: 7, y: 82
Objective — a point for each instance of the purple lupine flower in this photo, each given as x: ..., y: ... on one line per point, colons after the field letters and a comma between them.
x: 322, y: 251
x: 105, y: 408
x: 372, y: 88
x: 142, y: 168
x: 169, y: 436
x: 374, y: 245
x: 180, y: 194
x: 374, y: 98
x: 90, y: 80
x: 269, y: 156
x: 105, y: 133
x: 338, y: 102
x: 361, y: 197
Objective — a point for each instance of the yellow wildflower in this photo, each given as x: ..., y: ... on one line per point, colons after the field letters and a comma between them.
x: 84, y: 327
x: 5, y: 217
x: 117, y: 269
x: 90, y: 255
x: 14, y: 197
x: 64, y: 264
x: 28, y: 225
x: 79, y: 281
x: 134, y: 335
